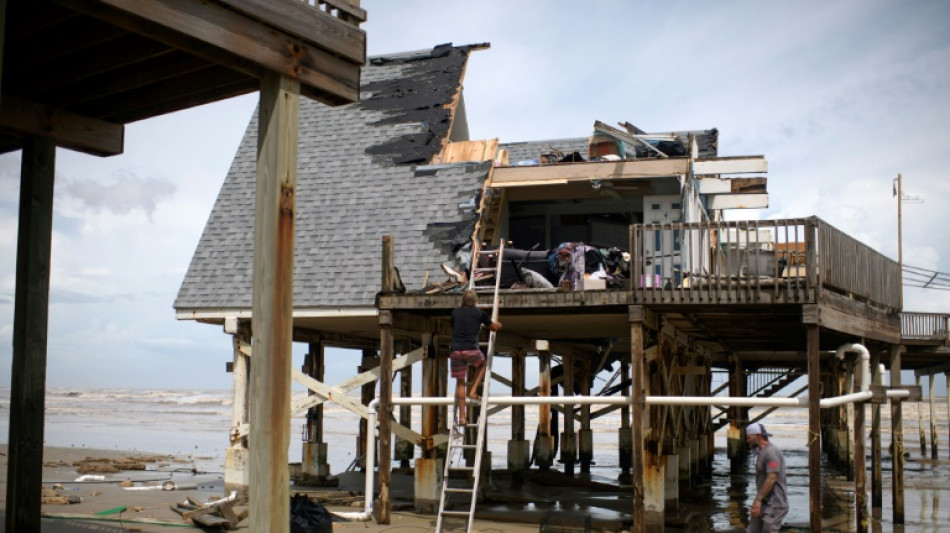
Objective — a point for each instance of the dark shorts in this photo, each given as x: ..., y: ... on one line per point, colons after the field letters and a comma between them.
x: 462, y: 359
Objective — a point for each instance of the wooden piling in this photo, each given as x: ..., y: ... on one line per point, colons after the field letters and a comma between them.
x: 314, y: 457
x: 933, y: 419
x: 585, y: 437
x: 384, y: 509
x: 920, y: 423
x: 272, y: 303
x: 369, y: 361
x: 897, y: 440
x: 637, y: 406
x: 236, y: 457
x: 430, y: 384
x: 625, y: 445
x: 814, y: 429
x: 877, y: 478
x: 569, y: 439
x: 860, y: 469
x: 404, y: 448
x: 544, y: 443
x: 946, y: 377
x: 30, y: 323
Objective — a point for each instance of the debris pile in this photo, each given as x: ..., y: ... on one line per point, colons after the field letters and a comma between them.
x: 217, y: 514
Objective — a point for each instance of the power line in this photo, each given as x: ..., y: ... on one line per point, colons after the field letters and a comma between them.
x: 924, y: 278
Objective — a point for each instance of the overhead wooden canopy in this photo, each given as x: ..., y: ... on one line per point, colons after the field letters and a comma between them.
x: 78, y: 70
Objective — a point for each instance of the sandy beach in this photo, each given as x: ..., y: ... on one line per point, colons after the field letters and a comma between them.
x: 151, y: 510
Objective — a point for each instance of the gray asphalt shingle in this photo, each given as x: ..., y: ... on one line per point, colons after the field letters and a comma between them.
x: 360, y: 175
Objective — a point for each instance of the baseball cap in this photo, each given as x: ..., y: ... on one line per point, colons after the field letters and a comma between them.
x: 756, y: 428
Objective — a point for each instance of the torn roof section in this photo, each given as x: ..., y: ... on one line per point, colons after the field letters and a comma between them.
x: 361, y: 174
x: 707, y: 142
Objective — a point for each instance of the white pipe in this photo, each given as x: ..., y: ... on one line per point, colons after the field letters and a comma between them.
x: 369, y: 460
x: 865, y: 364
x: 370, y: 457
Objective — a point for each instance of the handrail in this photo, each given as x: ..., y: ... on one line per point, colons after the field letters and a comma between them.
x: 925, y: 326
x: 758, y: 261
x: 855, y: 268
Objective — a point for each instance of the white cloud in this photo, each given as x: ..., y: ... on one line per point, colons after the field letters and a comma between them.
x: 839, y: 96
x: 123, y: 195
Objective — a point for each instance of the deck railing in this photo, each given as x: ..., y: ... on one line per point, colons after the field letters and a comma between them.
x: 925, y: 326
x: 854, y: 268
x: 759, y: 261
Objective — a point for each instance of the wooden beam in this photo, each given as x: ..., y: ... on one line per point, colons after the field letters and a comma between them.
x: 272, y: 303
x: 308, y: 23
x: 730, y: 165
x: 737, y: 201
x: 30, y: 324
x: 66, y: 129
x: 222, y: 35
x: 341, y: 388
x: 585, y: 172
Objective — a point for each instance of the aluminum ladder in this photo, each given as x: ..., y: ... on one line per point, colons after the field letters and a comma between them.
x: 455, y: 454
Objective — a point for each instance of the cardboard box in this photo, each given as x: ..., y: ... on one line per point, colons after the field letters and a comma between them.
x: 586, y: 284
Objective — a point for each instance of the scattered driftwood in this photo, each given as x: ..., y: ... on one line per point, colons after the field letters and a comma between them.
x: 52, y: 496
x: 220, y: 514
x: 102, y: 465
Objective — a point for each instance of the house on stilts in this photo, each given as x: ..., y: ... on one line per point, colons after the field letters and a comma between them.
x: 661, y: 286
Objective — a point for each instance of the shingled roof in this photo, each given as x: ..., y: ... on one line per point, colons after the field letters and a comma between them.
x: 362, y: 173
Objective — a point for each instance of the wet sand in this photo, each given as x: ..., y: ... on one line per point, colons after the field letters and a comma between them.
x: 143, y: 506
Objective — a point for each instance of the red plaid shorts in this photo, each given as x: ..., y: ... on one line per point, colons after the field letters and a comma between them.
x: 462, y: 359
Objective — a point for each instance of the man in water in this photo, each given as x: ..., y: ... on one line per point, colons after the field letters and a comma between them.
x: 467, y: 321
x: 771, y: 499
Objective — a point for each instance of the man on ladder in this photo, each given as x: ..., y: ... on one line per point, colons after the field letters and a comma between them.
x: 464, y: 351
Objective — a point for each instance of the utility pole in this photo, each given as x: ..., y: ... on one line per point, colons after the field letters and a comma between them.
x: 900, y: 243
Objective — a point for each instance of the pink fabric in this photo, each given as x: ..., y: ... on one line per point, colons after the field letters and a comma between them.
x: 462, y: 359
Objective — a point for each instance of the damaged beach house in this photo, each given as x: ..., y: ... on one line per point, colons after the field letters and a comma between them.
x: 619, y: 261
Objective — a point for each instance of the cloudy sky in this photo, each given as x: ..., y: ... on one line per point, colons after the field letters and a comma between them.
x: 839, y: 96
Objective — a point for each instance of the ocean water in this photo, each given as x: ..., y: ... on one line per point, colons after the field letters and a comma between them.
x: 195, y: 423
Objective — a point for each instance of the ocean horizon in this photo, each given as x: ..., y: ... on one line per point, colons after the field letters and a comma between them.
x: 194, y: 424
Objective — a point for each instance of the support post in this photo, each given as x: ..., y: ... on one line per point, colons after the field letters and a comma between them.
x: 946, y: 377
x: 920, y: 423
x: 814, y: 429
x: 736, y: 445
x: 568, y: 437
x: 625, y: 437
x: 897, y: 440
x: 429, y: 471
x: 272, y: 301
x: 637, y: 406
x: 384, y: 509
x: 30, y: 327
x: 314, y: 456
x: 518, y: 450
x: 369, y: 361
x: 933, y: 419
x: 404, y: 448
x: 544, y: 443
x: 585, y: 438
x: 236, y: 458
x: 877, y: 478
x: 860, y: 469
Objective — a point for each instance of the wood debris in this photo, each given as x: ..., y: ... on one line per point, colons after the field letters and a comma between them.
x: 103, y: 465
x: 220, y: 515
x: 52, y: 496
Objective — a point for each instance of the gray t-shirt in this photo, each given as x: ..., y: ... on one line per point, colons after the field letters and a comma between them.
x: 770, y: 459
